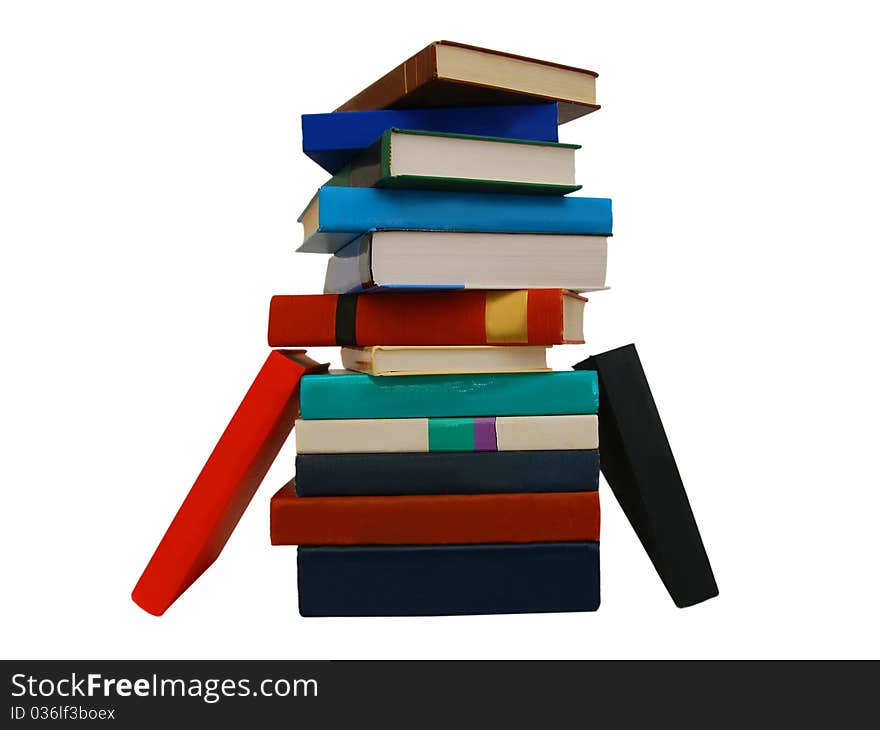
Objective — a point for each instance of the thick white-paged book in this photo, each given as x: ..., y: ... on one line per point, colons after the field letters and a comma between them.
x: 467, y: 260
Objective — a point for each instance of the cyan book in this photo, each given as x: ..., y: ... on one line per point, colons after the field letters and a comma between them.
x: 354, y: 395
x: 338, y: 215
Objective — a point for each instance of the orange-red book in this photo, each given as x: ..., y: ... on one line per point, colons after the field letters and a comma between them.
x: 227, y: 482
x: 526, y: 317
x: 436, y: 519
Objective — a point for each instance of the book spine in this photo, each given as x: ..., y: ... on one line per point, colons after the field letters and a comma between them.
x: 438, y: 396
x: 528, y: 317
x: 310, y: 319
x: 422, y: 435
x: 332, y: 140
x: 347, y: 213
x: 640, y: 468
x: 364, y: 209
x: 227, y: 482
x: 396, y: 84
x: 434, y: 519
x: 448, y: 580
x: 545, y: 310
x: 452, y: 470
x: 424, y: 318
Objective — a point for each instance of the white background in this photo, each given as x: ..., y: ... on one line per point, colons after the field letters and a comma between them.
x: 150, y: 179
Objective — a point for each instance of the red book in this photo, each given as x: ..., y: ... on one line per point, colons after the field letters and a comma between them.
x: 523, y: 317
x: 227, y: 482
x: 434, y: 519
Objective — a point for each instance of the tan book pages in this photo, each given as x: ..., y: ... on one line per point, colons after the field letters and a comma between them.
x: 540, y: 433
x: 367, y: 435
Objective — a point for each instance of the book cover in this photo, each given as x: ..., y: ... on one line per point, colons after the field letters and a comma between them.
x: 338, y: 215
x: 227, y: 482
x: 447, y: 471
x: 640, y: 468
x: 433, y: 519
x: 447, y: 73
x: 448, y: 579
x: 421, y: 435
x: 526, y: 317
x: 376, y: 166
x: 354, y: 395
x: 332, y: 140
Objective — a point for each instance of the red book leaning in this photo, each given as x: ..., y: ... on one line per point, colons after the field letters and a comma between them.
x: 523, y: 317
x: 226, y: 484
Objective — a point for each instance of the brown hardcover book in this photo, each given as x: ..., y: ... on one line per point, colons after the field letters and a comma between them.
x: 454, y: 74
x: 433, y: 519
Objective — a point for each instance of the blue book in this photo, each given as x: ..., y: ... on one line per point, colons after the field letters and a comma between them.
x: 354, y: 395
x: 445, y: 580
x: 338, y: 215
x: 332, y: 140
x: 460, y: 472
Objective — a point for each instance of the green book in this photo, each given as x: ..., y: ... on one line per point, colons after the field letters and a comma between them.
x: 353, y: 395
x: 405, y: 158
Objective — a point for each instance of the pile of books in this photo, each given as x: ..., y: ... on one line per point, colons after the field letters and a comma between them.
x: 447, y: 470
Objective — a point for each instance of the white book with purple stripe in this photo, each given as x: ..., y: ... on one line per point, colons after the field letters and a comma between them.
x: 419, y: 435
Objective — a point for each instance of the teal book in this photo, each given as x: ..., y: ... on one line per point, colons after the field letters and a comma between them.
x: 354, y: 395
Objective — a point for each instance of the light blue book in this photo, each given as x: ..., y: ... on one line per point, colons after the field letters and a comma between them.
x: 338, y: 215
x: 354, y: 395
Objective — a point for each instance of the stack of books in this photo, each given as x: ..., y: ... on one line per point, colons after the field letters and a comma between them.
x: 447, y: 470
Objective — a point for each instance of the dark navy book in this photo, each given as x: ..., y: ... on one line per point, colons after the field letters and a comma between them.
x: 461, y: 472
x: 444, y: 580
x: 333, y: 139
